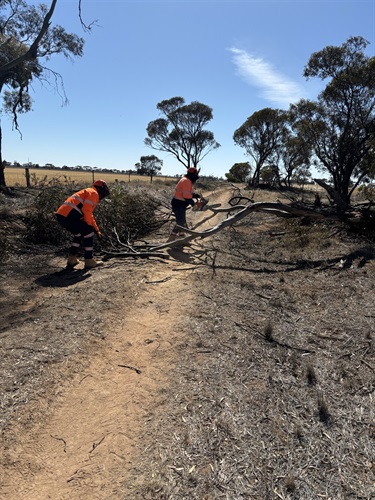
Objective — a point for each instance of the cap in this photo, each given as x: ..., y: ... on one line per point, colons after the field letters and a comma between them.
x: 102, y: 188
x: 193, y: 170
x: 100, y: 183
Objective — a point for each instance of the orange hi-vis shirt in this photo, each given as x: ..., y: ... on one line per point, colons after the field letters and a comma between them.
x: 84, y: 202
x: 184, y: 189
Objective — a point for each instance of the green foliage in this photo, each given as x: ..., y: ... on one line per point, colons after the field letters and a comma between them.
x: 269, y: 175
x: 149, y: 165
x: 28, y: 40
x: 261, y: 135
x: 41, y: 224
x: 129, y: 212
x: 181, y: 133
x: 238, y: 172
x: 340, y: 126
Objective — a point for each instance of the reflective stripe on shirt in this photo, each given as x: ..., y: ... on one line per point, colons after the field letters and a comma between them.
x: 73, y: 206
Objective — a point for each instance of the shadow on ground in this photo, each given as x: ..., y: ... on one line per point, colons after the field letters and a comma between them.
x: 63, y: 278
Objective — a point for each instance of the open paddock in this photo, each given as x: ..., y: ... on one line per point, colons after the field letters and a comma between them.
x: 16, y: 177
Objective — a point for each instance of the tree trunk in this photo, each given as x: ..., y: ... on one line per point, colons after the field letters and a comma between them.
x: 341, y: 204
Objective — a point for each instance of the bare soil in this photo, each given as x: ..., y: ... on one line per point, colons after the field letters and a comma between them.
x: 240, y: 368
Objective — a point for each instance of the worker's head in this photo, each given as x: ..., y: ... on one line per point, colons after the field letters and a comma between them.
x: 102, y: 188
x: 192, y: 174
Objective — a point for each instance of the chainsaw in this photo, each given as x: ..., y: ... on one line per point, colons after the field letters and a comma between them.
x: 200, y: 204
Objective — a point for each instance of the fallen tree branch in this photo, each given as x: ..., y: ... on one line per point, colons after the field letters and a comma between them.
x: 274, y: 208
x: 134, y: 255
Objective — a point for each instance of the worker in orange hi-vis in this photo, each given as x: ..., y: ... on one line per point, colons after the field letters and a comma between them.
x: 76, y: 215
x: 183, y: 197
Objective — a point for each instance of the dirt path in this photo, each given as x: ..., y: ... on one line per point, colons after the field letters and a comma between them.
x: 90, y: 435
x: 87, y: 445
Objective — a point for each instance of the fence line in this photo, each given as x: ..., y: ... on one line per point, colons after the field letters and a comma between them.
x: 24, y: 177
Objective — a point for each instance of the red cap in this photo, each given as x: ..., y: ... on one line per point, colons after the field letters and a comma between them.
x: 100, y: 183
x: 193, y: 170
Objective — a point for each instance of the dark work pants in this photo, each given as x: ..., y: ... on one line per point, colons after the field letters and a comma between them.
x: 179, y: 210
x: 82, y: 233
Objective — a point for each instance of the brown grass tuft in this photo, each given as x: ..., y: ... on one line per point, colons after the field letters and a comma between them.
x: 268, y: 332
x: 310, y: 374
x: 324, y: 415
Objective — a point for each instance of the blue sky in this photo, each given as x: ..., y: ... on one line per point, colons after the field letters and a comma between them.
x: 235, y: 56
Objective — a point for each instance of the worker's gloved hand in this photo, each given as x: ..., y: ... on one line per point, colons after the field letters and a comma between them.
x: 99, y: 235
x: 201, y: 203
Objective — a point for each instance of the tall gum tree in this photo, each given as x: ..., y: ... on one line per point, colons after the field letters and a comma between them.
x: 340, y: 126
x: 181, y: 132
x: 27, y: 40
x: 260, y: 136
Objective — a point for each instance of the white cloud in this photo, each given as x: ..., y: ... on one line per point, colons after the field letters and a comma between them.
x: 257, y: 72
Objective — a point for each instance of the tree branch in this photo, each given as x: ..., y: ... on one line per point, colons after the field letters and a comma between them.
x: 277, y: 209
x: 32, y: 51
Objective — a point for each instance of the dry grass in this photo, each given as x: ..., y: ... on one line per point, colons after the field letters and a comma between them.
x: 16, y: 177
x: 273, y: 397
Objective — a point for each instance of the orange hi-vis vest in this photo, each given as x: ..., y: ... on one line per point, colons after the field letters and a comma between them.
x: 184, y: 189
x: 84, y: 202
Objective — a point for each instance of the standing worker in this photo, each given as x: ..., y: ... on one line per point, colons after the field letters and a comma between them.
x: 76, y: 215
x: 184, y: 196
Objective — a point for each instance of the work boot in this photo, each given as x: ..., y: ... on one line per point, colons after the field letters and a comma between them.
x: 72, y: 261
x: 91, y: 263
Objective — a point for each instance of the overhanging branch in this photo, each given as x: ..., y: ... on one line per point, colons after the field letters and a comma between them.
x: 32, y: 50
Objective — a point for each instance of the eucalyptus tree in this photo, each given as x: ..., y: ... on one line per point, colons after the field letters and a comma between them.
x: 293, y: 157
x: 340, y: 125
x: 149, y: 165
x: 260, y: 135
x: 27, y: 41
x: 181, y: 131
x: 239, y: 172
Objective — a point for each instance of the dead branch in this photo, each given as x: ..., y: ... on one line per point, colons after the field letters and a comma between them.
x: 134, y: 254
x: 274, y: 208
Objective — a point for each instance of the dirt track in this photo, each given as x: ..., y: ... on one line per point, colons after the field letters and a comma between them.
x: 90, y: 435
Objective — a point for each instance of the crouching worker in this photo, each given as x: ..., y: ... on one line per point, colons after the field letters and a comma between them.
x: 76, y: 215
x: 183, y: 197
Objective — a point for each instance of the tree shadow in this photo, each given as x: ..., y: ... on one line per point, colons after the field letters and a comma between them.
x: 189, y: 255
x: 361, y: 257
x: 65, y: 277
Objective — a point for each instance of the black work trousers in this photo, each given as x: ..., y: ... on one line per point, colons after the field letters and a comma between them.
x: 179, y: 209
x: 83, y: 233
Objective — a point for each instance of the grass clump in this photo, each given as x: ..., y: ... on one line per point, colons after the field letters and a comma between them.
x: 268, y: 332
x: 311, y: 375
x: 324, y: 415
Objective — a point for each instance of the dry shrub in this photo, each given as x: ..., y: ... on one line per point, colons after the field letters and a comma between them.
x: 41, y: 225
x: 131, y: 212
